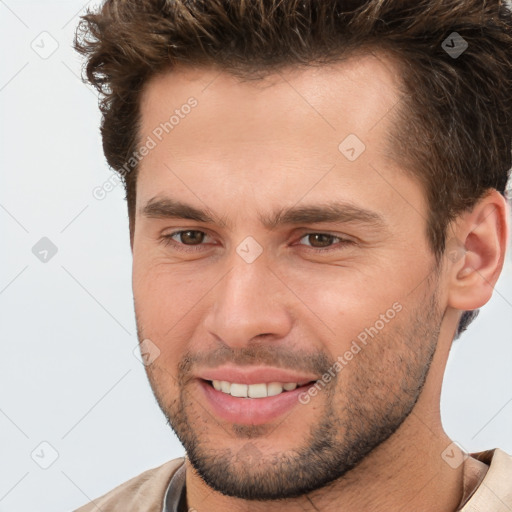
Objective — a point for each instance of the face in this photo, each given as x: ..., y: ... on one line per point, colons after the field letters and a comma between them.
x: 283, y: 284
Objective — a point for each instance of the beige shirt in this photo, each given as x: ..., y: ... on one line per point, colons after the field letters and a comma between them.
x: 487, y: 487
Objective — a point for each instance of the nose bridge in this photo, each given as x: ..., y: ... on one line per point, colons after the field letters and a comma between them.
x: 248, y: 302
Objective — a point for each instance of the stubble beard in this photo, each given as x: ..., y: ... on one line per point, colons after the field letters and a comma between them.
x: 363, y: 406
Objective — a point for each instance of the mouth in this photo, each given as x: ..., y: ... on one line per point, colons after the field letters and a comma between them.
x: 259, y: 390
x: 252, y: 404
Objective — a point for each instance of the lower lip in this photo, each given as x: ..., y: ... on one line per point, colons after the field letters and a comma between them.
x: 251, y: 411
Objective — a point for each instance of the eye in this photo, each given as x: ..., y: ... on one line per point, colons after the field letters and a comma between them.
x: 323, y: 242
x: 185, y: 240
x: 192, y: 240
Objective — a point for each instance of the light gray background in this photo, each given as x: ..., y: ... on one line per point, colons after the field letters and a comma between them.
x: 68, y: 373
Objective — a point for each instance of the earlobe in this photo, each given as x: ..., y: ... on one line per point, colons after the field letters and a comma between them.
x: 480, y: 241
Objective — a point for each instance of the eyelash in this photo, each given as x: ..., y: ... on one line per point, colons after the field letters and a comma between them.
x: 168, y: 240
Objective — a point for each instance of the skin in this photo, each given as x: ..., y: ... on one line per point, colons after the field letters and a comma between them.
x: 246, y: 150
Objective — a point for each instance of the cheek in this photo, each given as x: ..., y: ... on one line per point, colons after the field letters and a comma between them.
x: 164, y: 290
x: 169, y: 304
x: 341, y: 304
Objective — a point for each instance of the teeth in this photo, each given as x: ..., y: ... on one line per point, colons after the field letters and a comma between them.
x: 257, y: 391
x: 253, y: 390
x: 274, y: 388
x: 239, y: 390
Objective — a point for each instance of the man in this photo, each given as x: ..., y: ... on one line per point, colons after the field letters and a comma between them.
x: 316, y: 201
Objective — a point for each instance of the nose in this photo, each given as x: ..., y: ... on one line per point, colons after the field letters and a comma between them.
x: 248, y: 303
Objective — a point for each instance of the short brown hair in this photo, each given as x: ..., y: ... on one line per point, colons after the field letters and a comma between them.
x: 453, y: 128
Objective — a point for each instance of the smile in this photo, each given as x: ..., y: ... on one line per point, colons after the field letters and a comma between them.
x: 261, y: 390
x: 251, y: 404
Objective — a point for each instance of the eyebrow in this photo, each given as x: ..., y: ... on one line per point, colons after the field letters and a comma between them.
x: 333, y: 211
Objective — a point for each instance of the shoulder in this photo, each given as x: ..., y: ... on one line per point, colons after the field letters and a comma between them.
x: 143, y: 492
x: 499, y: 462
x: 495, y: 491
x: 502, y: 466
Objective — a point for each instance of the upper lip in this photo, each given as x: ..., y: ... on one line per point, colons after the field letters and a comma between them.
x: 254, y: 375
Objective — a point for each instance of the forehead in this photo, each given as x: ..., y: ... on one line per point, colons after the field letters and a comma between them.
x: 362, y: 87
x: 274, y: 137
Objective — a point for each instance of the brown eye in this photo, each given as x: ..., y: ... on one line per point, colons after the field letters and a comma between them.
x: 324, y: 242
x: 192, y: 237
x: 187, y: 240
x: 320, y: 239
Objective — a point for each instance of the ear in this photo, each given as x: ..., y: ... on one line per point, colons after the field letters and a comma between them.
x: 476, y: 251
